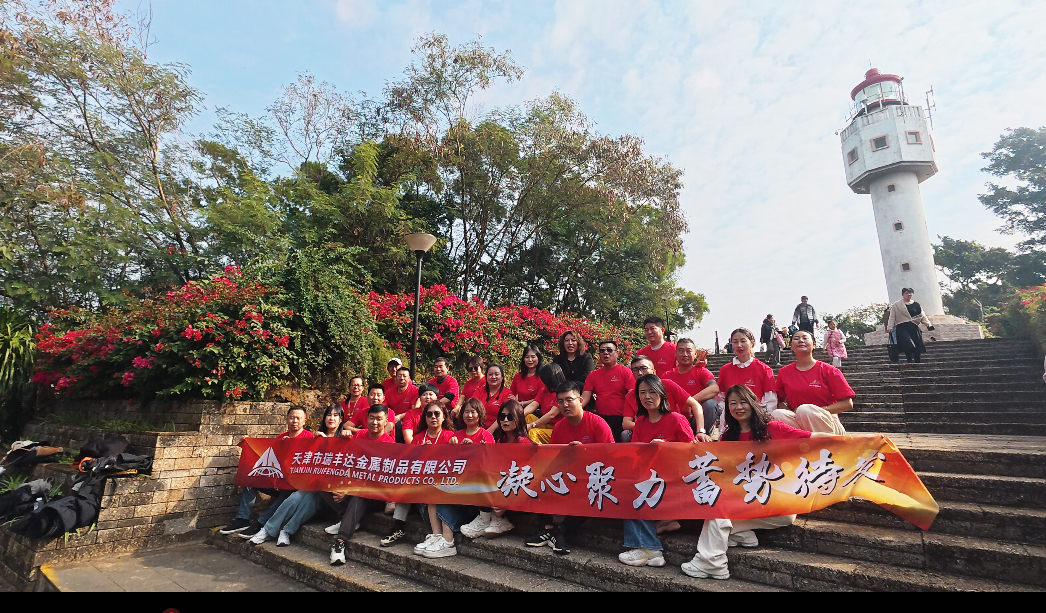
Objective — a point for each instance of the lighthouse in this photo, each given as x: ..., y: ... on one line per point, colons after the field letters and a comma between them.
x: 887, y: 152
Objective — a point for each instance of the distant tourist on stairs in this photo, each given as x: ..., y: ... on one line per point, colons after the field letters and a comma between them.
x: 810, y: 393
x: 768, y: 334
x: 805, y: 315
x: 835, y: 344
x: 905, y: 317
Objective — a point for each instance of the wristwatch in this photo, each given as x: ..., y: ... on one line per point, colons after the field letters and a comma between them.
x: 701, y: 431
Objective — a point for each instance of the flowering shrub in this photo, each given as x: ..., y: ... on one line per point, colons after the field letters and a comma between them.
x: 217, y: 338
x: 1024, y: 314
x: 459, y: 329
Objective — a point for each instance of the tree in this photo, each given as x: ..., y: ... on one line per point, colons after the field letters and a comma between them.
x: 980, y: 280
x: 858, y: 321
x: 1020, y: 156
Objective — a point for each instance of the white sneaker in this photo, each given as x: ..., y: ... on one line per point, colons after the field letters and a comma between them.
x: 476, y: 527
x: 284, y: 539
x: 642, y: 557
x: 333, y: 529
x: 337, y: 553
x: 746, y: 539
x: 691, y: 570
x: 420, y: 548
x: 440, y: 548
x: 498, y: 525
x: 260, y: 537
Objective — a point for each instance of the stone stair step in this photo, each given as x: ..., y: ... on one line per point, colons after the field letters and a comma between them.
x: 311, y: 567
x: 1025, y: 416
x: 593, y: 567
x: 962, y: 555
x: 994, y: 428
x: 976, y: 462
x: 1025, y: 492
x: 983, y: 521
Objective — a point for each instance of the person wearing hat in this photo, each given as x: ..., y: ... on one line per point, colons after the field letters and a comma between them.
x: 393, y: 365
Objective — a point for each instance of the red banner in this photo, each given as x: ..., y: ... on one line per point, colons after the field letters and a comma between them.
x: 631, y: 481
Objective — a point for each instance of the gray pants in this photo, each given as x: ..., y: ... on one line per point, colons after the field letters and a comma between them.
x: 773, y: 351
x: 355, y: 510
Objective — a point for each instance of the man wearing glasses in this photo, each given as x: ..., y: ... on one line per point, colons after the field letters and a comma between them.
x: 661, y: 352
x: 578, y: 427
x: 609, y: 383
x: 445, y: 383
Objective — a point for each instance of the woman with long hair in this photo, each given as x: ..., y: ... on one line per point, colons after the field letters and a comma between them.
x: 493, y: 394
x: 574, y: 357
x: 440, y: 542
x: 525, y: 384
x: 655, y: 422
x: 812, y: 393
x: 746, y: 420
x: 540, y: 431
x: 331, y: 422
x: 905, y: 317
x: 512, y: 428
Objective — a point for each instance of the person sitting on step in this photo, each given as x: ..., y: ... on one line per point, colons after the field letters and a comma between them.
x: 578, y: 427
x: 440, y: 542
x: 355, y: 506
x: 746, y: 420
x: 241, y: 524
x: 811, y: 393
x: 692, y: 375
x: 540, y: 430
x: 655, y: 422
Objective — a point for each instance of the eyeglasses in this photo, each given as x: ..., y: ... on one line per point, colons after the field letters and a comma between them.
x: 641, y: 369
x: 433, y: 414
x: 504, y: 418
x: 473, y: 369
x: 607, y: 350
x: 567, y: 400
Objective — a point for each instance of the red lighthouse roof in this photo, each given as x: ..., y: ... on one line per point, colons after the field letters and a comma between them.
x: 872, y: 77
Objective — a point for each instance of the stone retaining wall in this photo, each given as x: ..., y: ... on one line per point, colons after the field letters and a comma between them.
x: 191, y: 489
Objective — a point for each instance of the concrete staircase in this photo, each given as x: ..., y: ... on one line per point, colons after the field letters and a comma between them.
x: 961, y: 418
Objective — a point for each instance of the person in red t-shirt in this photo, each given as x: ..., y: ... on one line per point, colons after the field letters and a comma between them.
x: 493, y: 394
x: 404, y: 396
x: 412, y: 421
x: 691, y: 375
x: 813, y: 393
x: 540, y: 431
x: 440, y: 542
x: 661, y: 352
x: 745, y: 369
x: 477, y: 365
x: 512, y: 429
x: 655, y: 422
x: 609, y: 383
x: 358, y: 420
x: 678, y: 400
x: 526, y: 384
x: 393, y: 366
x: 473, y: 418
x: 578, y: 427
x: 357, y: 389
x: 446, y: 384
x: 356, y: 507
x: 746, y: 420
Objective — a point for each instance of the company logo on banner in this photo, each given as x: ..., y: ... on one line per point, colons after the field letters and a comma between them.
x: 267, y: 466
x: 738, y: 480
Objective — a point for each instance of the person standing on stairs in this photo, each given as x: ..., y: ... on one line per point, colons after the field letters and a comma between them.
x: 905, y: 317
x: 810, y: 393
x: 805, y: 315
x: 746, y: 420
x: 661, y: 352
x: 768, y: 336
x: 356, y: 507
x: 835, y: 344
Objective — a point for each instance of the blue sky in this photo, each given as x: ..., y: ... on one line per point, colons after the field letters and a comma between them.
x: 745, y: 97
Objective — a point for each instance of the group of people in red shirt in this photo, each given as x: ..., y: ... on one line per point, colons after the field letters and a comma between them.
x: 665, y: 394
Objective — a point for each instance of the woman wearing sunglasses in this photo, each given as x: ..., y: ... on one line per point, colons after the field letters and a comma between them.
x: 440, y: 542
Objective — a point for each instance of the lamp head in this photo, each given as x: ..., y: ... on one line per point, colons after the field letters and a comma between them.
x: 420, y: 242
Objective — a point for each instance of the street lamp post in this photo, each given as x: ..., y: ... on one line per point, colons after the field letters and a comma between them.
x: 419, y: 244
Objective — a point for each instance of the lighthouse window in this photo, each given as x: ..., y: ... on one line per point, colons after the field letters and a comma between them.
x: 898, y: 226
x: 891, y: 188
x: 914, y: 138
x: 852, y: 156
x: 906, y: 267
x: 879, y: 143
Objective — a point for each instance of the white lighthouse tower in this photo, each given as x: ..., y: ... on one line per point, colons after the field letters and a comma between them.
x: 887, y: 152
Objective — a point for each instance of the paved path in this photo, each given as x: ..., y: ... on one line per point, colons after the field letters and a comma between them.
x: 970, y: 442
x: 184, y: 568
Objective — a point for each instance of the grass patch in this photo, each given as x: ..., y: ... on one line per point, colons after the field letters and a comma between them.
x: 116, y: 425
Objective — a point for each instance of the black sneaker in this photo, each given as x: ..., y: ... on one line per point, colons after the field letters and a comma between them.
x: 540, y: 540
x: 557, y: 547
x: 251, y: 530
x: 393, y: 537
x: 237, y: 525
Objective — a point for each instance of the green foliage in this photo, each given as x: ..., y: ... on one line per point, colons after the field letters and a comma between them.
x: 982, y: 280
x: 1019, y: 156
x: 857, y: 321
x: 1023, y: 314
x: 17, y: 348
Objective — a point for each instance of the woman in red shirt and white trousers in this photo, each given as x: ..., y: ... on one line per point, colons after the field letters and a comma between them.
x: 745, y: 420
x: 812, y: 392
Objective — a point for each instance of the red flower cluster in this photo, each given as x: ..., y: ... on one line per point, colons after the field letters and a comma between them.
x: 458, y: 329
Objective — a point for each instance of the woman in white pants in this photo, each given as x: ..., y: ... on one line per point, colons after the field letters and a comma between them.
x: 811, y: 393
x: 746, y: 420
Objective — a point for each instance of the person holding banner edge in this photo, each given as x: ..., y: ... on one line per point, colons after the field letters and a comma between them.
x: 440, y: 542
x: 746, y: 420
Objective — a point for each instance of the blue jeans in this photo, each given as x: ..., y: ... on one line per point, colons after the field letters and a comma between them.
x: 642, y: 534
x: 456, y: 515
x: 297, y: 509
x: 249, y: 496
